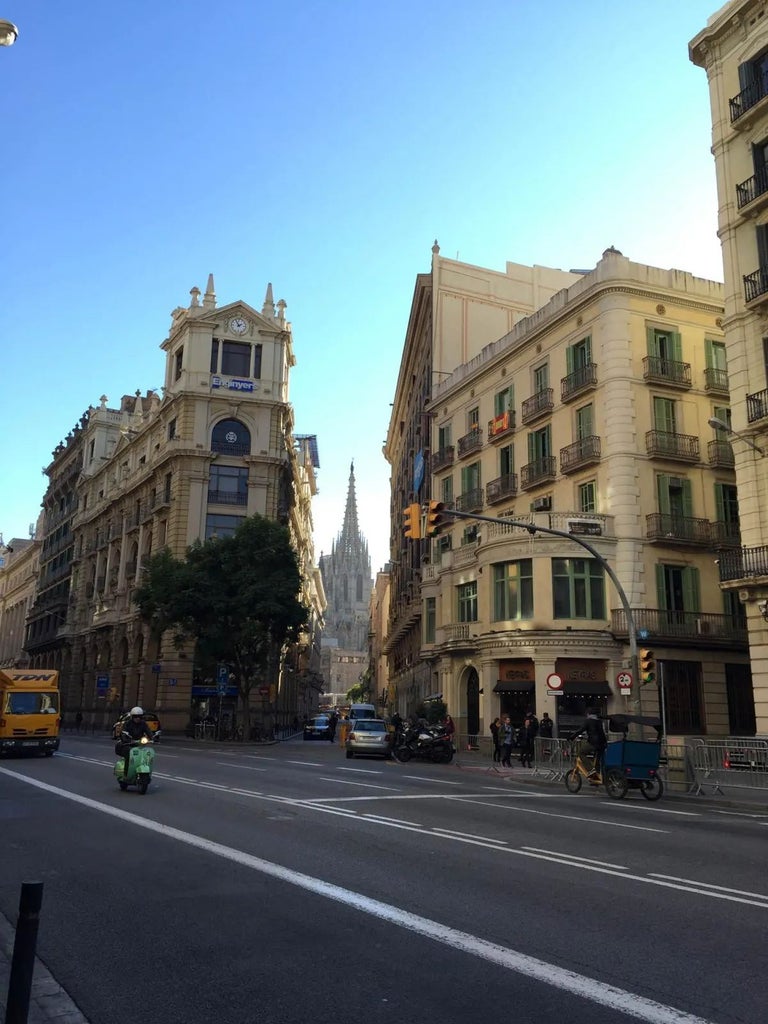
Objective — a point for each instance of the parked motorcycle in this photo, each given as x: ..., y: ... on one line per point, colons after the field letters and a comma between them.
x: 140, y: 761
x: 427, y: 742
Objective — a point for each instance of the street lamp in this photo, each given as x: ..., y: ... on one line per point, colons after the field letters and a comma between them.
x: 8, y: 33
x: 717, y: 424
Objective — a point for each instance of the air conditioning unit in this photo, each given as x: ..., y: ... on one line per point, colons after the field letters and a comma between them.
x: 703, y: 627
x: 542, y: 504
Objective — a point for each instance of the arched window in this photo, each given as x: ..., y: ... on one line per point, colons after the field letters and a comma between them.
x: 231, y: 437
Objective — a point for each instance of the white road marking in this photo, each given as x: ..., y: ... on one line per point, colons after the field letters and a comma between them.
x: 363, y: 771
x: 438, y: 782
x: 394, y: 821
x: 470, y: 835
x: 708, y: 885
x: 647, y: 808
x: 570, y: 856
x: 610, y: 996
x: 310, y: 764
x: 348, y: 782
x: 242, y: 767
x: 263, y: 757
x: 550, y: 814
x: 742, y: 814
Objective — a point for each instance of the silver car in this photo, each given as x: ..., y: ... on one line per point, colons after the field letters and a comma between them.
x: 369, y: 736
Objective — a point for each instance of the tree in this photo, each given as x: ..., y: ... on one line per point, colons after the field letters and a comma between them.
x: 237, y: 596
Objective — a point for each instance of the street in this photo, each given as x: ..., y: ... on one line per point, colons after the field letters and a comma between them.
x: 286, y: 883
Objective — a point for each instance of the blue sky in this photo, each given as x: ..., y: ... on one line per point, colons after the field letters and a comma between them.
x: 321, y: 146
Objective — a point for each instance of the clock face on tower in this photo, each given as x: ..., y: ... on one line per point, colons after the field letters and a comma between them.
x: 238, y: 325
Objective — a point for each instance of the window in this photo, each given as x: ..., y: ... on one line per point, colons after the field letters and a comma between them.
x: 664, y: 346
x: 586, y: 497
x: 177, y: 364
x: 430, y: 619
x: 584, y: 424
x: 578, y: 588
x: 444, y: 437
x: 231, y: 437
x: 215, y: 355
x: 513, y: 590
x: 675, y: 497
x: 682, y: 689
x: 677, y: 594
x: 578, y: 356
x: 722, y: 413
x: 541, y: 378
x: 446, y: 490
x: 236, y: 359
x: 504, y: 401
x: 540, y: 444
x: 167, y: 488
x: 727, y: 504
x: 715, y: 355
x: 734, y: 609
x: 741, y: 703
x: 507, y: 460
x: 228, y: 485
x: 470, y: 478
x: 473, y: 418
x: 256, y: 362
x: 467, y: 600
x: 221, y: 526
x: 172, y: 429
x: 664, y: 416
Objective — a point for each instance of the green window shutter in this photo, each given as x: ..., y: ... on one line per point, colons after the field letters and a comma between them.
x: 687, y: 499
x: 676, y: 347
x: 588, y: 350
x: 691, y: 589
x: 709, y: 355
x: 584, y: 422
x: 661, y: 590
x: 465, y: 480
x: 662, y: 490
x: 569, y: 360
x: 531, y: 447
x: 720, y: 502
x: 652, y: 342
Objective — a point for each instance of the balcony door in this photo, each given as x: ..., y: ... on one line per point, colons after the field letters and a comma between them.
x: 678, y: 598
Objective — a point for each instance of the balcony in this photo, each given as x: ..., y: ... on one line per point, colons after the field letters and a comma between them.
x: 472, y: 501
x: 726, y: 534
x: 234, y: 448
x: 161, y: 501
x: 671, y: 529
x: 659, y: 370
x: 227, y: 498
x: 720, y: 455
x: 457, y: 631
x: 748, y: 98
x: 752, y: 189
x: 744, y: 564
x: 501, y: 426
x: 583, y: 452
x: 756, y: 288
x: 579, y: 381
x: 501, y: 488
x: 542, y: 471
x: 442, y: 458
x: 667, y: 445
x: 701, y: 629
x: 538, y: 405
x: 757, y: 406
x: 716, y: 381
x: 471, y: 442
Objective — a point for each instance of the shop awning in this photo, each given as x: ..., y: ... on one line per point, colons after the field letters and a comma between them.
x: 587, y: 689
x: 433, y: 696
x: 511, y: 686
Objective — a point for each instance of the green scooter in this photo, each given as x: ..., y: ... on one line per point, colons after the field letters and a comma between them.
x: 140, y: 762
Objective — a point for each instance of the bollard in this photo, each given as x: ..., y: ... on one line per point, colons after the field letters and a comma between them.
x: 25, y: 944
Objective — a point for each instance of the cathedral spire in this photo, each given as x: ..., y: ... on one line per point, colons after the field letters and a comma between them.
x: 349, y: 539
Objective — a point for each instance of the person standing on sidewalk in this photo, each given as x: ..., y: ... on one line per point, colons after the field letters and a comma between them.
x: 546, y: 727
x: 495, y: 730
x: 507, y: 738
x: 529, y: 734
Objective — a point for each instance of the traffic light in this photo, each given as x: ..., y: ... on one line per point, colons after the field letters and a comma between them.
x: 412, y: 521
x: 647, y: 667
x: 437, y: 520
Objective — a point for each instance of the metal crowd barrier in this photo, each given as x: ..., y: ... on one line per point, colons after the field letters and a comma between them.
x: 735, y: 762
x: 552, y: 758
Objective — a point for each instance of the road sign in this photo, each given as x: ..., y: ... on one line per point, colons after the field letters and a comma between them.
x: 554, y: 683
x: 624, y: 682
x: 172, y: 682
x: 222, y: 678
x: 102, y: 685
x: 642, y: 634
x: 156, y: 668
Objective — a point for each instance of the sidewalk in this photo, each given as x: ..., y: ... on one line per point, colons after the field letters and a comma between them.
x: 49, y: 1002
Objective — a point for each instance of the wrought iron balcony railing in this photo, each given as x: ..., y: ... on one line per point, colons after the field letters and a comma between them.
x: 752, y: 188
x: 701, y: 628
x: 716, y: 380
x: 500, y: 488
x: 501, y: 426
x: 748, y: 98
x: 667, y: 371
x: 755, y: 285
x: 672, y: 529
x: 442, y: 457
x: 583, y: 452
x: 757, y: 406
x: 235, y: 448
x: 538, y: 405
x: 744, y: 564
x: 471, y: 501
x: 726, y: 534
x: 471, y: 442
x: 227, y: 498
x: 720, y: 454
x: 669, y: 445
x: 578, y: 381
x: 538, y: 472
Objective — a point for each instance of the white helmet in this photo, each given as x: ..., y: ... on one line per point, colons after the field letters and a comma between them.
x: 136, y: 711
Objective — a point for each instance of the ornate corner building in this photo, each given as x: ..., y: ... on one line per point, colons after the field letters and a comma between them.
x: 164, y: 471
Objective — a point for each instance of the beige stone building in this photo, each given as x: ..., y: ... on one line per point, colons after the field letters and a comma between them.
x: 165, y: 471
x: 457, y: 309
x: 589, y: 417
x: 19, y: 571
x: 733, y: 48
x: 377, y: 660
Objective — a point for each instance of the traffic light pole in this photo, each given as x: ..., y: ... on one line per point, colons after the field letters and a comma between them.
x: 532, y: 530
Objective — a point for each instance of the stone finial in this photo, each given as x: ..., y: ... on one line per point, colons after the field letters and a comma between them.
x: 611, y: 251
x: 209, y: 299
x: 268, y: 309
x: 103, y: 401
x: 281, y: 307
x: 195, y: 293
x: 436, y: 249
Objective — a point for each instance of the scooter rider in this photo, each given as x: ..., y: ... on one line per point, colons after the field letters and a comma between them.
x: 133, y: 730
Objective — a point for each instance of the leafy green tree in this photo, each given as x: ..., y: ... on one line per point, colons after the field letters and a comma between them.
x: 236, y: 596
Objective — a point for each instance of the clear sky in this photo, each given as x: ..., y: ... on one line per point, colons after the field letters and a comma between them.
x: 322, y: 145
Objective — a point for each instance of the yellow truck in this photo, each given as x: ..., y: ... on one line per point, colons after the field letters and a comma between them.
x: 29, y: 711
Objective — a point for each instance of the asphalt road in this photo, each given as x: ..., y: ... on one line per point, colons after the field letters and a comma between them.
x: 286, y: 884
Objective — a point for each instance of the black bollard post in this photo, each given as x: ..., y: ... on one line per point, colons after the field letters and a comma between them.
x: 25, y: 944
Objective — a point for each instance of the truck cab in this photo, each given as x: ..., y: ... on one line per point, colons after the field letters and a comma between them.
x: 30, y: 718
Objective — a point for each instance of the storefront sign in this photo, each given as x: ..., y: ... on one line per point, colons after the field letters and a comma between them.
x: 520, y: 671
x: 232, y: 385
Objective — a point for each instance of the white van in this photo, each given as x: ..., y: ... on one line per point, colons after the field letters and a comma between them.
x: 362, y: 711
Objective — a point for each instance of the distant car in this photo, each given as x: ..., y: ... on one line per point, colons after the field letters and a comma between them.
x: 149, y: 717
x: 318, y: 728
x: 361, y: 711
x: 369, y: 736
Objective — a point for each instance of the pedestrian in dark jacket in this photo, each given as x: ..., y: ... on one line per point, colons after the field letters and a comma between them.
x: 495, y: 735
x: 545, y: 727
x: 595, y: 735
x: 507, y: 739
x: 529, y: 734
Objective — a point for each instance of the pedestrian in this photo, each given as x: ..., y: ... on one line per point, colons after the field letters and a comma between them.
x: 449, y: 726
x: 529, y: 733
x: 545, y: 727
x: 332, y: 723
x: 508, y: 738
x: 78, y: 720
x: 495, y: 728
